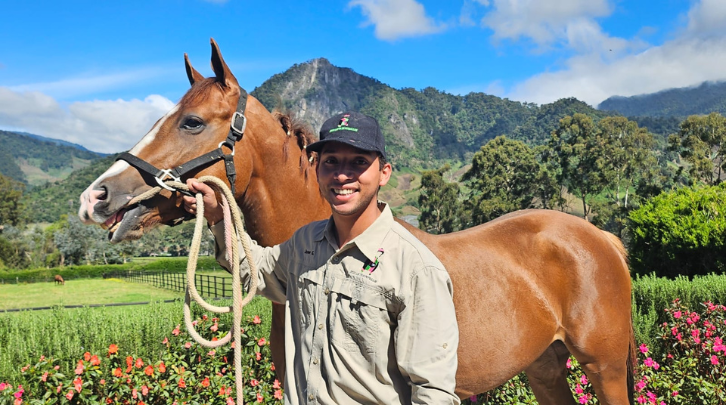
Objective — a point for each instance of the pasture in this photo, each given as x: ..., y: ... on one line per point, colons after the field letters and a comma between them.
x: 67, y: 333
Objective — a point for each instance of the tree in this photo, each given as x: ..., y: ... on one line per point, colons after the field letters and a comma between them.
x: 439, y: 203
x: 631, y: 162
x: 506, y: 176
x: 11, y: 193
x: 580, y: 150
x: 701, y: 142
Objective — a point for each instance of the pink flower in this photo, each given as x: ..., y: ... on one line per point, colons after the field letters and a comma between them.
x: 257, y: 320
x: 583, y: 379
x: 258, y: 356
x: 583, y: 399
x: 714, y: 360
x: 79, y: 369
x: 69, y: 395
x: 195, y: 322
x: 261, y: 342
x: 471, y: 398
x: 44, y: 378
x: 78, y: 384
x: 165, y: 341
x: 643, y: 348
x: 675, y: 393
x: 640, y: 385
x: 4, y: 386
x: 578, y: 390
x: 187, y: 345
x: 175, y: 332
x: 641, y: 399
x: 677, y: 314
x: 275, y: 385
x: 230, y: 401
x: 259, y: 397
x: 254, y: 382
x: 134, y: 393
x: 569, y: 363
x: 278, y: 395
x: 214, y: 327
x: 20, y: 392
x: 211, y: 353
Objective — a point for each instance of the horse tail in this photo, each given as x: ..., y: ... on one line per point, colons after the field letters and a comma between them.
x: 618, y: 245
x: 631, y: 364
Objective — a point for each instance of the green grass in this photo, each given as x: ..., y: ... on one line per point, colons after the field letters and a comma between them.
x: 80, y: 292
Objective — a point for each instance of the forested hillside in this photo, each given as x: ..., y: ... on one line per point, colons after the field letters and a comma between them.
x: 704, y: 99
x: 423, y: 127
x: 36, y: 160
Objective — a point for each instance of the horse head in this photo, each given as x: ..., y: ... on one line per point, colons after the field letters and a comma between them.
x: 199, y: 123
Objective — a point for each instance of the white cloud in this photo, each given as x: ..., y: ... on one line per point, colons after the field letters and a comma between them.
x: 89, y: 84
x: 544, y: 22
x: 604, y: 66
x: 394, y: 19
x: 101, y: 125
x: 678, y: 63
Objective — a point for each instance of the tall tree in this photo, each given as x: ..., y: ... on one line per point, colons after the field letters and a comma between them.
x: 506, y: 176
x: 11, y: 193
x: 439, y: 203
x: 630, y: 162
x: 701, y: 141
x: 580, y: 150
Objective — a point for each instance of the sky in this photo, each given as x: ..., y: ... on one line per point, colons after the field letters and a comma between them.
x: 100, y: 73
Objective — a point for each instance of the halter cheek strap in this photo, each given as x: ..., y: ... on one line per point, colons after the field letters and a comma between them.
x: 236, y: 132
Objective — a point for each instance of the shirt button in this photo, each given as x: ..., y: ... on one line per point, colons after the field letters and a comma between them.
x: 327, y: 291
x: 320, y: 326
x: 336, y: 259
x: 311, y: 397
x: 315, y: 361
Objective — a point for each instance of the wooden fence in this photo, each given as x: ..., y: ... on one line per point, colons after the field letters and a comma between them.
x: 207, y: 286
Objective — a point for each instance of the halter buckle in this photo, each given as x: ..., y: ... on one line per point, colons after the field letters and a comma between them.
x: 229, y: 145
x: 165, y: 174
x: 238, y: 130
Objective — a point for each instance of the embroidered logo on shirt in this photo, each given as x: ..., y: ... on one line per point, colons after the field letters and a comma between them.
x: 369, y: 266
x: 310, y: 252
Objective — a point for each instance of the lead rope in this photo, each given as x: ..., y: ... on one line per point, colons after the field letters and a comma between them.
x: 234, y: 230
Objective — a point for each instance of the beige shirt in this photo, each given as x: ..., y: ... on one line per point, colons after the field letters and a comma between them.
x: 372, y: 322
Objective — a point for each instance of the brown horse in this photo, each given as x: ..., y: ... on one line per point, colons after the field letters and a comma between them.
x: 530, y: 288
x: 59, y: 280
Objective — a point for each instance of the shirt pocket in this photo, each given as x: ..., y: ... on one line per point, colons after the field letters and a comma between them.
x: 309, y: 285
x: 358, y: 312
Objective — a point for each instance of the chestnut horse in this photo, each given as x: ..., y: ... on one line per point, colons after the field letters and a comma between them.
x: 530, y: 288
x: 59, y: 280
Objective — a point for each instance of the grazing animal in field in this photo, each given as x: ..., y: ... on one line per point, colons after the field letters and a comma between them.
x: 530, y: 288
x: 59, y: 280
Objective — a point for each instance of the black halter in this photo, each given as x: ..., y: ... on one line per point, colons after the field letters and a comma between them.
x: 236, y: 131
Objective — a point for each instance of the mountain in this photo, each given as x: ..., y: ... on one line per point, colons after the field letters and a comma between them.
x: 58, y: 142
x: 422, y: 128
x: 48, y: 201
x: 35, y: 160
x: 679, y: 103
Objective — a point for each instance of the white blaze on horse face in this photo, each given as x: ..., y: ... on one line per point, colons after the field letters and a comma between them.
x: 90, y: 196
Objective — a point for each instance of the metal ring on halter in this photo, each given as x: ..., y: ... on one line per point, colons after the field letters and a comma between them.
x: 228, y: 145
x: 165, y: 174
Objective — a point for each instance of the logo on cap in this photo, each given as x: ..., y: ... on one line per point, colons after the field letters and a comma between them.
x: 343, y: 125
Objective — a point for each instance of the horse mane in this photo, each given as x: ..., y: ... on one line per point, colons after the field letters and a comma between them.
x: 300, y: 131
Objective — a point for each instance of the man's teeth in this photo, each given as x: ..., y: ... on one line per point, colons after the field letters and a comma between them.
x: 342, y: 191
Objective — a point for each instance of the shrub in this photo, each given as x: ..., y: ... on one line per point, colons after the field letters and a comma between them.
x: 186, y: 372
x: 680, y: 233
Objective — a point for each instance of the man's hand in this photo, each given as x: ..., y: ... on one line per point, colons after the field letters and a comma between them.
x: 212, y: 209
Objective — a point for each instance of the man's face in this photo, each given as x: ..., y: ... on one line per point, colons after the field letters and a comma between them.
x: 349, y: 178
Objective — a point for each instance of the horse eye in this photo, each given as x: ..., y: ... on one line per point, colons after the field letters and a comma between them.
x: 192, y: 123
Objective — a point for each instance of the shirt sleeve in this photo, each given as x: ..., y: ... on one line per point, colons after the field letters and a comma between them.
x: 427, y: 338
x: 270, y: 261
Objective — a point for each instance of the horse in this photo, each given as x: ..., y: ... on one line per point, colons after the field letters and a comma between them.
x: 59, y: 280
x: 530, y: 288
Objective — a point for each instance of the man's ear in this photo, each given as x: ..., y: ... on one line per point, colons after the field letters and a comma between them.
x: 386, y: 172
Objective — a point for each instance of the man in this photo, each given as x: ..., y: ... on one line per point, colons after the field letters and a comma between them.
x: 369, y: 311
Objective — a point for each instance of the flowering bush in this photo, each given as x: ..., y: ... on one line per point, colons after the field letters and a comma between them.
x: 186, y: 373
x: 689, y: 367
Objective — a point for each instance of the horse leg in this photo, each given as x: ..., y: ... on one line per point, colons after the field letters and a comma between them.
x: 610, y: 381
x: 548, y: 376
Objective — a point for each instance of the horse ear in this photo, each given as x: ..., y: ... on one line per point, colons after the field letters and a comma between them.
x: 220, y: 68
x: 192, y: 73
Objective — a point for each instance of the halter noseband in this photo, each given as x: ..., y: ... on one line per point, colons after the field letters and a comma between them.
x: 236, y: 131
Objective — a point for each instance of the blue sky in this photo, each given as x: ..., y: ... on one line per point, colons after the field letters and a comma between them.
x: 100, y: 73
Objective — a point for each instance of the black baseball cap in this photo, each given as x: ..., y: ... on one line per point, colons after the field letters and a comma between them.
x: 354, y: 129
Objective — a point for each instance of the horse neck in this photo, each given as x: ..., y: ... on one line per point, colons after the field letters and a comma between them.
x: 279, y: 198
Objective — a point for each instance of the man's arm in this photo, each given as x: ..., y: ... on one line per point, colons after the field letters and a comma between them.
x: 271, y: 275
x: 427, y: 338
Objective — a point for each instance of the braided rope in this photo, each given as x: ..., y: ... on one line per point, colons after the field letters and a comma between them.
x: 234, y: 233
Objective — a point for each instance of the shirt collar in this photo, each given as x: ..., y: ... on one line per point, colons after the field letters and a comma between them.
x: 367, y: 242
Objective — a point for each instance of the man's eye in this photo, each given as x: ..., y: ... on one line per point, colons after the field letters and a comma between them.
x: 192, y: 123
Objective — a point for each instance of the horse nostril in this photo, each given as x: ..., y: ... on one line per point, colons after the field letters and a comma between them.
x: 103, y: 193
